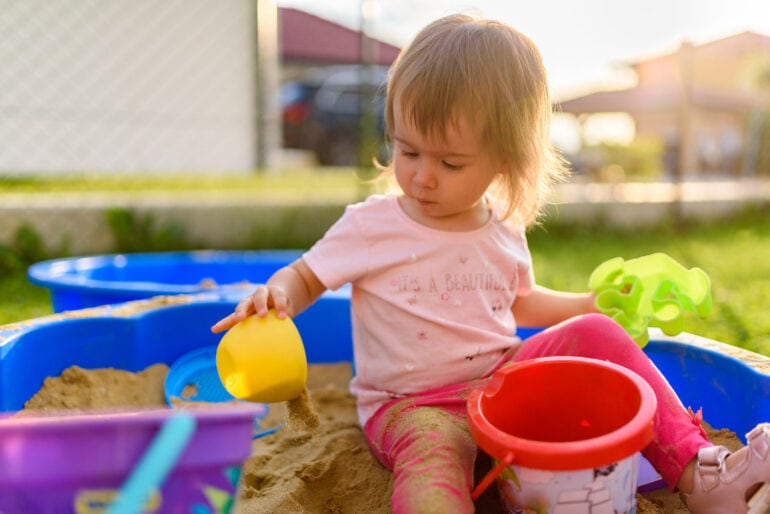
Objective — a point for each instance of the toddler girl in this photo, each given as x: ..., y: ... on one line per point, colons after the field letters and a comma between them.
x: 441, y: 277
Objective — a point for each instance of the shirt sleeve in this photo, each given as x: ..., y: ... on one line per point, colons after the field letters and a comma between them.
x: 341, y: 255
x: 525, y: 270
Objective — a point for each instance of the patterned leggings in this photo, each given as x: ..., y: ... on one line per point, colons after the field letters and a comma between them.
x: 424, y: 437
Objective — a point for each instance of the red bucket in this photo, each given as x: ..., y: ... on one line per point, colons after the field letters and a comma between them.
x: 565, y: 431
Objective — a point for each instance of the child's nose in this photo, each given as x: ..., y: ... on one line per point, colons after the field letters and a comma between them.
x: 424, y: 175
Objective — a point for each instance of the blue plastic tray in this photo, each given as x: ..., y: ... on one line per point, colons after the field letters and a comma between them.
x: 81, y: 282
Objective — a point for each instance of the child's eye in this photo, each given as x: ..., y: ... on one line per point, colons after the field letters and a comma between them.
x: 452, y: 166
x: 409, y: 154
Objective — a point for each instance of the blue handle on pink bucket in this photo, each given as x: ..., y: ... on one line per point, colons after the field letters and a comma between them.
x: 155, y: 464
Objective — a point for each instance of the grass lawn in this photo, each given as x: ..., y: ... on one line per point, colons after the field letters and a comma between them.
x: 341, y: 184
x: 20, y: 300
x: 735, y: 254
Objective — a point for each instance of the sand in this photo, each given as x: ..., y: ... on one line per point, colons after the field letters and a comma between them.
x: 317, y: 463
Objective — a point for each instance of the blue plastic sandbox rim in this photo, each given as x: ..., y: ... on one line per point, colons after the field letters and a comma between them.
x: 67, y: 273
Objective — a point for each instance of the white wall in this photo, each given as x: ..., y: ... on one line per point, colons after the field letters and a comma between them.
x: 127, y: 85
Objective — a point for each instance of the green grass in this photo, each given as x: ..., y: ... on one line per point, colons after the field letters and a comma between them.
x: 327, y: 184
x: 734, y: 253
x: 138, y: 181
x: 21, y: 300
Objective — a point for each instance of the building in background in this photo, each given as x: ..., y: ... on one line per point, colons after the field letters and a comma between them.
x: 121, y: 86
x: 706, y: 104
x: 179, y: 86
x: 308, y: 41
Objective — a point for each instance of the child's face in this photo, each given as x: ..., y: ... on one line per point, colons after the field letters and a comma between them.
x: 443, y: 181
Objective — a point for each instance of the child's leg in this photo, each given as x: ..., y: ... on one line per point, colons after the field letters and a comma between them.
x: 678, y: 435
x: 430, y: 452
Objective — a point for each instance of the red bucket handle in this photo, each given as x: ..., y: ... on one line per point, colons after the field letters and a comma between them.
x: 506, y: 461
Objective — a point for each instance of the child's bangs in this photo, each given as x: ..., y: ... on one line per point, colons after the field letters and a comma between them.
x: 430, y: 106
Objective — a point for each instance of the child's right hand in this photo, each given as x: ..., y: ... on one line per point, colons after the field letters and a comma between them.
x: 264, y: 298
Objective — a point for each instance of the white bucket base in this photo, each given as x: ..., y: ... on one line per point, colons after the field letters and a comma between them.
x: 607, y: 490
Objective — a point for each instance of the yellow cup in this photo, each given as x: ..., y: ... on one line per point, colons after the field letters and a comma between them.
x: 263, y: 360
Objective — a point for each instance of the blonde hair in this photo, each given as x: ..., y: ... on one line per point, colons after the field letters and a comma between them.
x: 491, y: 75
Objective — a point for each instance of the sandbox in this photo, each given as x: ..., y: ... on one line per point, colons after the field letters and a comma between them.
x: 731, y: 385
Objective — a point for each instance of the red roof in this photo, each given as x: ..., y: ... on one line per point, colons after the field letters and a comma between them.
x: 662, y: 91
x: 307, y: 38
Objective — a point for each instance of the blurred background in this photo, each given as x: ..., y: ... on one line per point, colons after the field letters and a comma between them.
x: 142, y: 126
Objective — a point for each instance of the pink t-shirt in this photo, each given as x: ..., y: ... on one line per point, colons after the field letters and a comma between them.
x: 429, y: 307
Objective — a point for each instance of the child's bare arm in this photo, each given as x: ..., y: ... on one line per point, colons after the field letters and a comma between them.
x: 545, y: 307
x: 289, y: 291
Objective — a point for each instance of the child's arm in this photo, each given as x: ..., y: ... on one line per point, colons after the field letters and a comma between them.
x: 289, y: 291
x: 544, y: 307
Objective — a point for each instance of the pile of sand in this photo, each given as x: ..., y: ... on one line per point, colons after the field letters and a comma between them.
x: 318, y: 463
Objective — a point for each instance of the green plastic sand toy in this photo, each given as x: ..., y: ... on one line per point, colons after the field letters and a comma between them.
x: 650, y: 291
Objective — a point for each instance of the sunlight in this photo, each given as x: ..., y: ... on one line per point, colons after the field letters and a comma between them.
x: 597, y: 128
x: 565, y: 133
x: 614, y: 127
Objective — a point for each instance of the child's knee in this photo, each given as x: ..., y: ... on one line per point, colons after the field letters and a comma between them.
x: 597, y: 325
x: 598, y: 336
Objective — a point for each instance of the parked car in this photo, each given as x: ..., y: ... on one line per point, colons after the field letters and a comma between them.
x: 328, y: 109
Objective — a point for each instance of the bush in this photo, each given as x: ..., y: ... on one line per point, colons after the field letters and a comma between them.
x: 135, y: 233
x: 639, y: 160
x: 26, y: 248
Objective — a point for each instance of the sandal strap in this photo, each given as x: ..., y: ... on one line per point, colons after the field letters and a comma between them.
x: 758, y: 440
x: 717, y: 489
x: 711, y: 460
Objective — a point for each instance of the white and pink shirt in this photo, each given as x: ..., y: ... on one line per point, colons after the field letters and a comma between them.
x: 429, y: 307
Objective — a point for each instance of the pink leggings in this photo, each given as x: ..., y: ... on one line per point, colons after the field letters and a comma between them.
x: 424, y: 437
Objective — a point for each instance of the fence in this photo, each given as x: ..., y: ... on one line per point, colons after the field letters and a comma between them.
x: 127, y: 85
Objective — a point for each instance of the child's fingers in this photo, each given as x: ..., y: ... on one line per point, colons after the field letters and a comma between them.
x: 244, y: 308
x: 226, y: 322
x: 281, y: 302
x: 259, y: 300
